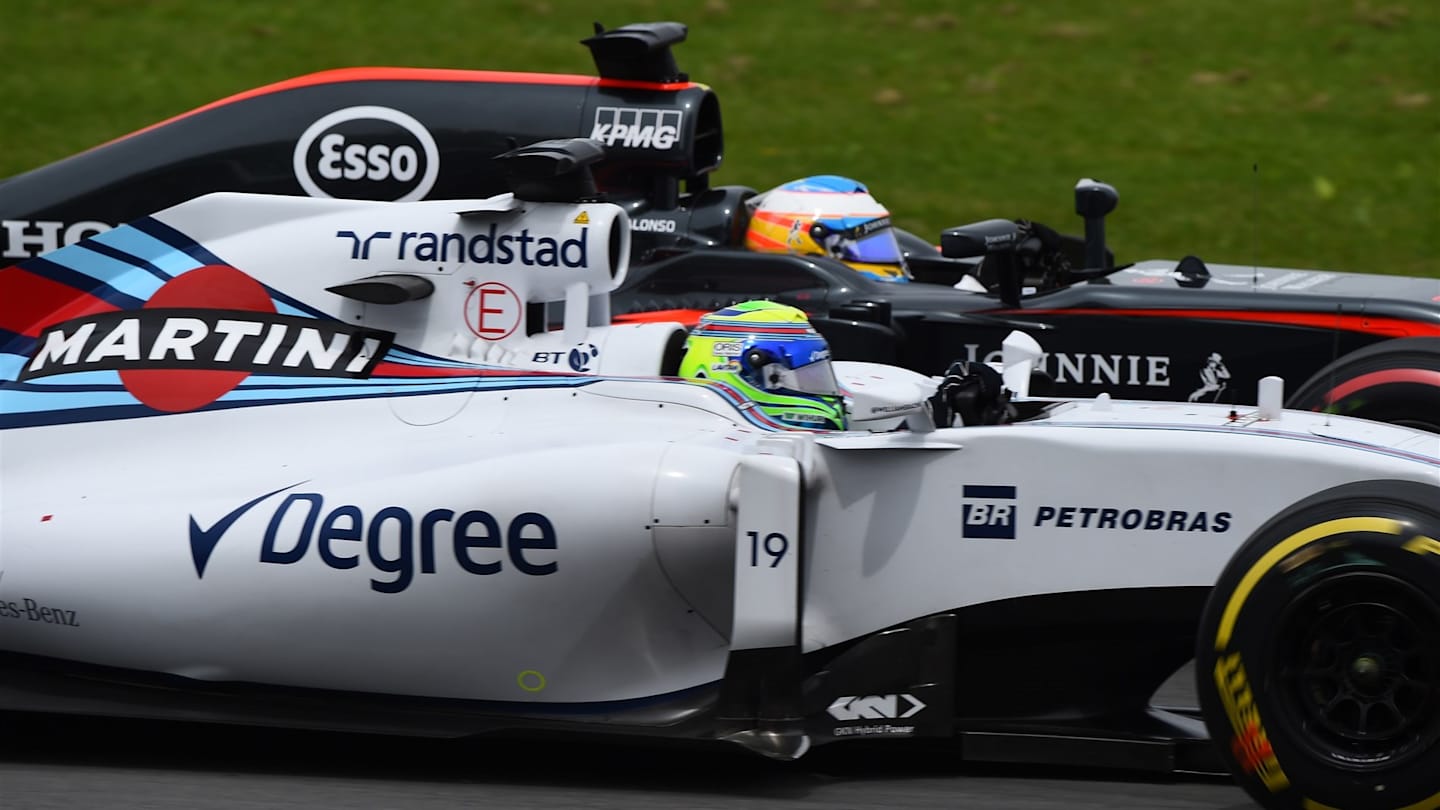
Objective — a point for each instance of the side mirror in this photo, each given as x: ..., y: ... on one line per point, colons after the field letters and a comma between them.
x: 978, y: 239
x: 995, y: 239
x: 1093, y: 201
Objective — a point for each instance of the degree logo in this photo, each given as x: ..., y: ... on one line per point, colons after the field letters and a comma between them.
x: 367, y: 153
x: 390, y: 544
x: 198, y: 337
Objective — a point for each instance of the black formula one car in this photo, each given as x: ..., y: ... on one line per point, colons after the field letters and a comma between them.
x: 1363, y: 345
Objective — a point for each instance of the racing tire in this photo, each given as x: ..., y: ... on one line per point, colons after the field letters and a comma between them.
x: 1318, y: 660
x: 1394, y: 381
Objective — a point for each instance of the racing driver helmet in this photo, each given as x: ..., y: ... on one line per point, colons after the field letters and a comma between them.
x: 771, y: 354
x: 827, y: 215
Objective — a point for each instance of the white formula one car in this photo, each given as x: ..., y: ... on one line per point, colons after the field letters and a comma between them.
x: 388, y: 467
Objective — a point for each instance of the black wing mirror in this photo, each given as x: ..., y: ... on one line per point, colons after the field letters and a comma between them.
x: 995, y: 239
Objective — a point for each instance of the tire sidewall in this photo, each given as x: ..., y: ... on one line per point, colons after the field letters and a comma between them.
x: 1415, y: 401
x: 1371, y: 528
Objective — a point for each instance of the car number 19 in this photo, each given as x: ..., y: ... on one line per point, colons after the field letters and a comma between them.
x: 775, y: 545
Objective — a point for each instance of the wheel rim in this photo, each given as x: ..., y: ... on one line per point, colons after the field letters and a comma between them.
x: 1359, y: 670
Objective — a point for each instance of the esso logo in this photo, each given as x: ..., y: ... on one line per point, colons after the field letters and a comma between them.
x: 382, y: 163
x: 367, y: 153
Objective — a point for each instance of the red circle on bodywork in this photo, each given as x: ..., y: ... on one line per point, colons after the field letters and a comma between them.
x: 493, y: 311
x: 214, y: 286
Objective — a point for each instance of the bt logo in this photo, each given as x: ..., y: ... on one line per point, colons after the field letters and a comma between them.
x: 579, y: 357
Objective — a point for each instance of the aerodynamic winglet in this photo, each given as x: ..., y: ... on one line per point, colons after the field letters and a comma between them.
x: 395, y: 288
x: 638, y: 52
x: 553, y: 171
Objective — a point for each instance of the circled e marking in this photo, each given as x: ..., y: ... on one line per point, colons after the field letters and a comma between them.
x: 530, y: 680
x: 492, y: 311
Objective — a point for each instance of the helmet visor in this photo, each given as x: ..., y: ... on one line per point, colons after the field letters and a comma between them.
x: 878, y: 248
x: 855, y: 239
x: 812, y: 378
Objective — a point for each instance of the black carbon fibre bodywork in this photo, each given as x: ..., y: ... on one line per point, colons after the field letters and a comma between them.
x: 1063, y: 679
x: 1134, y: 333
x: 250, y: 144
x: 1144, y: 331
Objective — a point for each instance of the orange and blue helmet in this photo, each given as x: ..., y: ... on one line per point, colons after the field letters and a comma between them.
x: 827, y: 215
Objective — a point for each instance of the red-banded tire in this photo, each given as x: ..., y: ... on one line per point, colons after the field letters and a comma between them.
x: 1318, y: 662
x: 1394, y: 381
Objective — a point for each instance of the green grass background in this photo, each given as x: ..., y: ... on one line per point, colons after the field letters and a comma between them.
x: 950, y: 111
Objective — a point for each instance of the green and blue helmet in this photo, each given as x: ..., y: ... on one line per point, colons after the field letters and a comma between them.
x: 770, y: 353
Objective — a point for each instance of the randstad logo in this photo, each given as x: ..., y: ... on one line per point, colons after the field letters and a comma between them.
x: 486, y: 247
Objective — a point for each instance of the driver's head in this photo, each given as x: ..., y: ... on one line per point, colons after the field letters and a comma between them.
x: 771, y: 354
x: 827, y: 216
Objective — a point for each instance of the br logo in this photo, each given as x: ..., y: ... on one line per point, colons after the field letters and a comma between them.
x: 988, y: 512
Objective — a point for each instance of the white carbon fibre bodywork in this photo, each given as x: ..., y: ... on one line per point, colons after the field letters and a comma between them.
x: 568, y: 538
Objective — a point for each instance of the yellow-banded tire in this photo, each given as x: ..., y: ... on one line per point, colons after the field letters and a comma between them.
x: 1318, y: 661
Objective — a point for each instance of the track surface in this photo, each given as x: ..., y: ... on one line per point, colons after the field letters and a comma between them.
x: 86, y: 763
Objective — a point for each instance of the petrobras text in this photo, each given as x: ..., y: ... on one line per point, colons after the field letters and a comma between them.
x: 486, y: 247
x: 1149, y: 520
x: 637, y: 127
x: 990, y: 512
